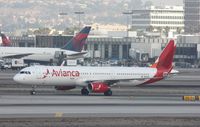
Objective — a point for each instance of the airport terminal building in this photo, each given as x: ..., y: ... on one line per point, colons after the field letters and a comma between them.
x: 109, y: 48
x: 123, y: 48
x: 23, y: 41
x: 119, y: 49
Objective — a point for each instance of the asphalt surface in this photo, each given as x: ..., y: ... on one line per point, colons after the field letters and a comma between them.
x: 48, y: 106
x: 158, y: 104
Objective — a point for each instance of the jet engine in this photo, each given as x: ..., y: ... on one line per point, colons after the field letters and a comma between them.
x: 98, y: 87
x: 64, y: 87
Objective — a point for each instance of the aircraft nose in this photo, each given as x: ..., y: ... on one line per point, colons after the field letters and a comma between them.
x: 17, y: 78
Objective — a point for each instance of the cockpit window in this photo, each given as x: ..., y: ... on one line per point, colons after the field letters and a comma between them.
x: 22, y: 72
x: 25, y: 72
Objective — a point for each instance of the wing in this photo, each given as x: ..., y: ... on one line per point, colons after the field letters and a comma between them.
x: 112, y: 82
x: 17, y: 55
x: 76, y: 55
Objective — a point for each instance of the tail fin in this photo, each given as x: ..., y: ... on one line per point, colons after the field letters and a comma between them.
x: 77, y: 42
x: 5, y: 40
x: 164, y: 63
x: 165, y: 60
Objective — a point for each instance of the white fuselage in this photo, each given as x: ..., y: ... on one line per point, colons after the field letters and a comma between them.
x: 35, y: 54
x: 81, y: 76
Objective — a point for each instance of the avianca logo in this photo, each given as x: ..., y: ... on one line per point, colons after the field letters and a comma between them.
x: 45, y: 74
x: 60, y: 73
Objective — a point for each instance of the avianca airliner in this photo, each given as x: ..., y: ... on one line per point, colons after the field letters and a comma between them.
x: 97, y: 79
x: 71, y: 49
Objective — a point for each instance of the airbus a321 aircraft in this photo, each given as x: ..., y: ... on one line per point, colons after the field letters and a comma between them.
x: 71, y: 49
x: 97, y: 79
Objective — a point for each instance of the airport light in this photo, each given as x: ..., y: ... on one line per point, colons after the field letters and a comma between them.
x: 127, y: 22
x: 79, y: 13
x: 0, y: 27
x: 63, y: 13
x: 127, y: 13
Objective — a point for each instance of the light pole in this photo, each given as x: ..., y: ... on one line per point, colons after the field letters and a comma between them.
x: 127, y: 22
x: 0, y: 28
x: 79, y: 13
x: 127, y: 13
x: 63, y: 14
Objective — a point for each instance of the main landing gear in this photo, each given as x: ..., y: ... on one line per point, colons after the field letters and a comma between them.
x: 108, y: 93
x: 33, y: 92
x: 84, y: 91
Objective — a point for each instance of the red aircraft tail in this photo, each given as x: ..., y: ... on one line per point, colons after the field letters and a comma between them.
x: 164, y: 62
x: 5, y: 40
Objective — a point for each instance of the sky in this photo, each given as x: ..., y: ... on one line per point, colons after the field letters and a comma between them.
x: 167, y: 2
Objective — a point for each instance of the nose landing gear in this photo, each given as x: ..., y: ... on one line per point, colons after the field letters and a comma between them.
x: 33, y: 92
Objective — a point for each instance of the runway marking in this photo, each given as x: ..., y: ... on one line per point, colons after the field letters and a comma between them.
x: 191, y: 98
x: 58, y: 114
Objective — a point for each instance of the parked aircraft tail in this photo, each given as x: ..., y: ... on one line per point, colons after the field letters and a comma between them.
x: 5, y: 40
x: 77, y: 42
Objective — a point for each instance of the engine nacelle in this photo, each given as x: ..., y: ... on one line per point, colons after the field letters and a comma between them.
x: 64, y: 87
x: 98, y: 87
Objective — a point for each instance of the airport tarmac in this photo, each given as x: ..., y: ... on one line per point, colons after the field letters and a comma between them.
x: 158, y: 104
x: 97, y: 111
x: 96, y: 106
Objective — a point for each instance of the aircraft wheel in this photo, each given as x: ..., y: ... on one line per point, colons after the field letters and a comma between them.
x: 108, y: 93
x: 33, y: 92
x: 84, y: 92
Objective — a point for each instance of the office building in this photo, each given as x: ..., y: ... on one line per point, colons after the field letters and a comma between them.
x: 159, y: 18
x: 192, y: 16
